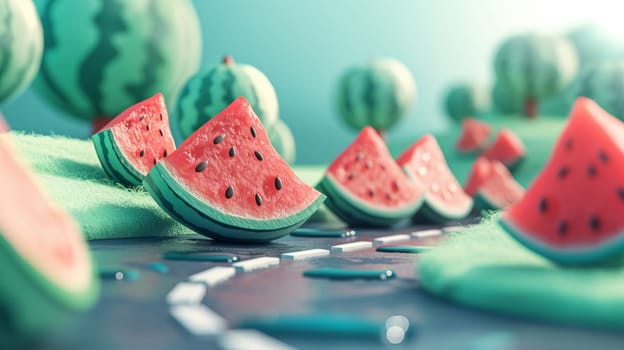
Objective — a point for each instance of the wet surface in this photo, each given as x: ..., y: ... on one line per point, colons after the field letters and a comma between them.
x: 133, y: 314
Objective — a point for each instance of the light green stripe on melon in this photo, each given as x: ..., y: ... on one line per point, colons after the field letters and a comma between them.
x: 205, y: 219
x: 609, y: 249
x: 31, y: 303
x: 113, y: 160
x: 356, y: 211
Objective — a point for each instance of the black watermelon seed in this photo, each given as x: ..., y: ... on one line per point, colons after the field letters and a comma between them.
x: 155, y: 161
x: 161, y: 116
x: 229, y: 192
x: 253, y: 131
x: 232, y: 152
x: 594, y: 223
x: 147, y: 127
x: 161, y: 132
x: 218, y: 139
x: 201, y: 166
x: 258, y: 199
x: 563, y: 228
x: 603, y: 156
x: 368, y: 164
x: 568, y: 144
x: 141, y: 153
x: 591, y: 171
x: 258, y: 155
x: 165, y: 154
x: 351, y: 176
x: 395, y: 185
x: 142, y: 117
x: 371, y: 193
x: 620, y: 193
x: 389, y: 196
x: 278, y: 183
x: 359, y: 156
x: 563, y: 172
x: 543, y: 205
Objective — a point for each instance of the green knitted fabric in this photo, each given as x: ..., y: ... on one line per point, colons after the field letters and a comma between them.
x: 483, y: 267
x: 70, y: 173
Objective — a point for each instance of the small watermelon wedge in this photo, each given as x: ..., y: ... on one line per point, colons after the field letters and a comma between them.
x: 46, y: 270
x: 507, y: 148
x: 366, y: 188
x: 227, y: 182
x: 492, y: 186
x: 424, y: 164
x: 474, y: 135
x: 572, y: 212
x: 130, y: 144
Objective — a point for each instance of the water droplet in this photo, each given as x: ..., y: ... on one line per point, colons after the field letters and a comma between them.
x: 422, y: 171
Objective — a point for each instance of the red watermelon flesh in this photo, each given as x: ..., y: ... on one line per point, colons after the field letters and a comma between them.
x: 474, y: 135
x: 572, y: 212
x: 506, y: 148
x: 229, y: 164
x: 142, y: 133
x: 478, y: 175
x: 425, y: 165
x: 4, y: 126
x: 366, y: 171
x: 45, y: 237
x: 492, y: 185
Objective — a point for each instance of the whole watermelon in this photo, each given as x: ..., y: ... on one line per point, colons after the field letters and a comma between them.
x: 102, y: 56
x: 603, y: 83
x: 21, y: 46
x: 283, y: 141
x: 466, y: 100
x: 378, y: 93
x: 535, y: 66
x: 505, y: 102
x: 214, y: 88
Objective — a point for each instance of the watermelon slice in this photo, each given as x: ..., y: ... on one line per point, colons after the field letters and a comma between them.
x: 129, y: 145
x: 492, y: 186
x: 572, y: 213
x: 474, y: 135
x: 227, y: 182
x: 365, y: 187
x: 507, y: 148
x: 424, y: 164
x: 45, y: 266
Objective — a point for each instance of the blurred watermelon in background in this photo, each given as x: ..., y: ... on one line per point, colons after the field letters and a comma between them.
x: 302, y: 59
x: 102, y: 56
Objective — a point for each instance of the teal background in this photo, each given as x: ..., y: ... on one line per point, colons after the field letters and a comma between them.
x: 302, y: 46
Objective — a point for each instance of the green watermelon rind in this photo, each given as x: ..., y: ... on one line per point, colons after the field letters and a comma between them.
x: 114, y: 162
x: 356, y: 212
x: 178, y: 202
x: 596, y: 254
x: 430, y: 212
x: 482, y: 202
x: 27, y: 290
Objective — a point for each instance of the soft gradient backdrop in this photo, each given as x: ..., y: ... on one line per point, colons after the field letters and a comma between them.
x: 302, y: 46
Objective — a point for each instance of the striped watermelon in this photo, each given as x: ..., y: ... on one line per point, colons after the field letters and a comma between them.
x: 595, y: 44
x: 375, y: 94
x: 227, y: 182
x: 283, y: 141
x: 132, y: 143
x: 463, y: 100
x: 603, y: 83
x: 535, y: 66
x: 21, y: 46
x: 504, y: 101
x: 214, y: 88
x: 104, y: 55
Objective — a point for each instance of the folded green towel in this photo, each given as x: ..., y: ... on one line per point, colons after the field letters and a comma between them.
x: 70, y: 173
